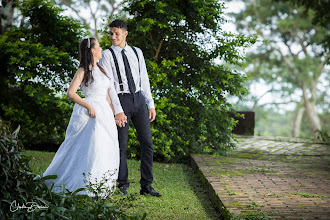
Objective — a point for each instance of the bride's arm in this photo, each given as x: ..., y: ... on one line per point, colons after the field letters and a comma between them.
x: 110, y: 103
x: 72, y: 92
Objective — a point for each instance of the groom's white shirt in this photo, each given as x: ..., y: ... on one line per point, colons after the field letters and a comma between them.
x: 108, y: 63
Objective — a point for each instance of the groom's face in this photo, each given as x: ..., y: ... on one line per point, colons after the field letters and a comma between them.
x: 118, y: 36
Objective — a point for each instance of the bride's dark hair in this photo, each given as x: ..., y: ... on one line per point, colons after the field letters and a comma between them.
x: 87, y: 59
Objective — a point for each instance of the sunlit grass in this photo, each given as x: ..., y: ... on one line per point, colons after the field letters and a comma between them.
x: 39, y: 160
x: 184, y: 196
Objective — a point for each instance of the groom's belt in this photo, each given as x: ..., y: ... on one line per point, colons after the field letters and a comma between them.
x: 130, y: 94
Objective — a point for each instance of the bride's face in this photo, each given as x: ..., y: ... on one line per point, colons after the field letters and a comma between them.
x: 97, y: 51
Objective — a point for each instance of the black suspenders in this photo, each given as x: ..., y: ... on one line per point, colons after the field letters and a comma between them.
x: 137, y: 56
x: 117, y: 68
x: 118, y: 73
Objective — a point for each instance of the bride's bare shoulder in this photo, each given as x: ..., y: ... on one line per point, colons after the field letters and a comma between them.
x: 80, y: 72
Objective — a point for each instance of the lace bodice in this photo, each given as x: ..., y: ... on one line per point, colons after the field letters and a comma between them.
x: 99, y: 87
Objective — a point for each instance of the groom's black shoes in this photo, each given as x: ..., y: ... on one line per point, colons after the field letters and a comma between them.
x: 123, y: 190
x: 149, y: 190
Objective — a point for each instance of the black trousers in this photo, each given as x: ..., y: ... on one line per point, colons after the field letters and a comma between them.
x: 135, y: 109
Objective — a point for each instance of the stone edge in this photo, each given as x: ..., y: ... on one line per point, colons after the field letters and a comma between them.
x: 220, y: 207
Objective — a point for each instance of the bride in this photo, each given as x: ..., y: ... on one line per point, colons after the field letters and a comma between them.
x: 90, y: 151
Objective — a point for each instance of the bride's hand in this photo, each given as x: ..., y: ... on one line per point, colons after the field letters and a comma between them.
x: 121, y: 119
x: 91, y: 111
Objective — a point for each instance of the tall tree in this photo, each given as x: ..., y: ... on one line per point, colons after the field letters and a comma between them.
x: 180, y: 41
x: 7, y: 14
x: 291, y: 56
x: 37, y: 60
x: 91, y: 12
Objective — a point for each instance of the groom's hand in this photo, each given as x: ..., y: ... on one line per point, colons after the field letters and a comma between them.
x: 121, y: 119
x: 152, y: 114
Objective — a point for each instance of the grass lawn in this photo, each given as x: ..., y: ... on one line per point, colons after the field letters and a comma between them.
x: 184, y: 196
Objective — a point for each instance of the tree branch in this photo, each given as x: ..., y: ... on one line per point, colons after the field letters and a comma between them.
x: 292, y: 69
x: 151, y: 40
x: 303, y: 46
x: 279, y: 103
x: 95, y: 19
x: 76, y: 11
x: 112, y: 3
x: 289, y: 48
x: 286, y: 60
x: 258, y: 99
x: 158, y: 49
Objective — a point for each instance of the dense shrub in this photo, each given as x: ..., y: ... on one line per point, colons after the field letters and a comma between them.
x: 323, y: 135
x: 181, y: 41
x: 37, y: 61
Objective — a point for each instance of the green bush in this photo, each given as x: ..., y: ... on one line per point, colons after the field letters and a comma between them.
x: 323, y: 135
x: 19, y: 186
x: 37, y: 61
x: 180, y: 43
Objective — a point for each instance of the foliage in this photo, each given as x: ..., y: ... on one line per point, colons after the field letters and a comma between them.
x: 180, y: 41
x: 19, y: 186
x: 100, y: 188
x: 37, y: 60
x: 322, y: 16
x: 15, y: 173
x: 323, y: 136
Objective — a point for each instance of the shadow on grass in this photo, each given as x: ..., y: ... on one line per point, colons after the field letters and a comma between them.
x: 202, y: 194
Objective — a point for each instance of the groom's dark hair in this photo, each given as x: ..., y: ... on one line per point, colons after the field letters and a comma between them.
x: 118, y: 24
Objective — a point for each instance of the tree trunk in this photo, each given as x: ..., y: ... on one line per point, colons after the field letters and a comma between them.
x: 297, y: 121
x: 7, y: 14
x: 311, y: 113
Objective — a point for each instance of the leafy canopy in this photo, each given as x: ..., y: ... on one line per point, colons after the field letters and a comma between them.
x: 180, y: 41
x: 38, y: 59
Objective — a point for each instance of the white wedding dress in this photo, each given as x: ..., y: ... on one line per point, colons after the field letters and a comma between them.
x: 90, y: 145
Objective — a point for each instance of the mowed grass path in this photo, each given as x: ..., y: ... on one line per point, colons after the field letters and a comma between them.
x: 184, y: 196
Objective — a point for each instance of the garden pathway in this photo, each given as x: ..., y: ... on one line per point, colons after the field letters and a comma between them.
x: 285, y: 178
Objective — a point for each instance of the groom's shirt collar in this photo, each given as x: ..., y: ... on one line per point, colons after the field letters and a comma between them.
x: 119, y: 48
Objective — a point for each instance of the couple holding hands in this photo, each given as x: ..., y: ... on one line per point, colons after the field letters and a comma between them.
x: 114, y: 82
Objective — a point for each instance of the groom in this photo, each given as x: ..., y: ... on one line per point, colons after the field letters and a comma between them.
x: 133, y: 93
